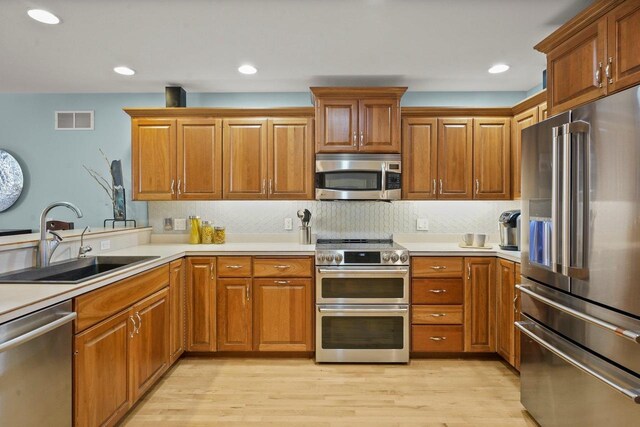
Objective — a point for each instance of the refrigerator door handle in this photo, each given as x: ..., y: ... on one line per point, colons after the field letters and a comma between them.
x: 566, y: 199
x: 630, y: 390
x: 555, y: 184
x: 625, y: 333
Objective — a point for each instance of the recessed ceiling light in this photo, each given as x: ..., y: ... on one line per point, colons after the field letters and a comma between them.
x: 498, y: 68
x: 43, y: 16
x: 125, y: 71
x: 247, y: 69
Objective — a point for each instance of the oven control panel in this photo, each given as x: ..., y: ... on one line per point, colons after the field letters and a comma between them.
x: 355, y: 257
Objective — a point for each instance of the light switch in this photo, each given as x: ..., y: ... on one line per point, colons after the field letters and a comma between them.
x: 422, y: 224
x: 105, y: 244
x: 288, y: 224
x: 179, y: 224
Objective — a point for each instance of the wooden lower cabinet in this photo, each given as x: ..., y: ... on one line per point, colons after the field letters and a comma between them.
x: 177, y: 302
x: 119, y: 359
x: 201, y: 304
x: 234, y: 315
x: 479, y: 304
x: 149, y: 355
x: 505, y: 293
x: 102, y: 394
x: 282, y: 315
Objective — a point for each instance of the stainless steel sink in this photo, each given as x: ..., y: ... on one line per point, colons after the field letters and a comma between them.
x: 74, y: 271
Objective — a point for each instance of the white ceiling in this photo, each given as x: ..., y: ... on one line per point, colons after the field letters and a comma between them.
x: 428, y: 45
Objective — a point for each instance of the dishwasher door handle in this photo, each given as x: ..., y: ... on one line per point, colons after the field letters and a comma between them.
x: 35, y: 333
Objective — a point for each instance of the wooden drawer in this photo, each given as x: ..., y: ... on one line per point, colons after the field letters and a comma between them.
x: 436, y: 291
x: 97, y: 305
x: 436, y: 266
x: 436, y: 314
x: 234, y: 266
x: 283, y: 267
x: 437, y: 338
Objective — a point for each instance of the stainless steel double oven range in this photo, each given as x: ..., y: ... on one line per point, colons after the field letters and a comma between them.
x: 362, y: 301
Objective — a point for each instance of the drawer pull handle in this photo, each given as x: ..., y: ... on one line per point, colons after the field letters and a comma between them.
x: 437, y: 338
x: 438, y: 314
x: 282, y: 267
x: 439, y: 267
x: 438, y: 291
x: 282, y: 282
x: 235, y: 267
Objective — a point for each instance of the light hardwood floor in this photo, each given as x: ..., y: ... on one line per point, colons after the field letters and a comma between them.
x: 297, y: 392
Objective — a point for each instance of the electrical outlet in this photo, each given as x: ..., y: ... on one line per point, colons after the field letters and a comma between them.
x: 288, y: 224
x: 179, y: 224
x: 105, y: 244
x: 422, y: 224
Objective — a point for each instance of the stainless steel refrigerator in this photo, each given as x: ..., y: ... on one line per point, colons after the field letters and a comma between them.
x: 580, y: 285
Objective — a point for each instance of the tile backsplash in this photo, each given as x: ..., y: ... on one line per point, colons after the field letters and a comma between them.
x: 339, y: 219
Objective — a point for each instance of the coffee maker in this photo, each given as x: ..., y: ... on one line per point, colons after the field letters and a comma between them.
x: 510, y: 230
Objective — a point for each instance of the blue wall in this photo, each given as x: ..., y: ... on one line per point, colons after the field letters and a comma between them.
x: 52, y: 160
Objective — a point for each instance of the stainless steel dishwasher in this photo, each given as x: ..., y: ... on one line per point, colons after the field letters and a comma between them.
x: 35, y: 368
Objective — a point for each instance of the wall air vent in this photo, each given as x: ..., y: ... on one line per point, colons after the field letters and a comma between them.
x: 74, y: 120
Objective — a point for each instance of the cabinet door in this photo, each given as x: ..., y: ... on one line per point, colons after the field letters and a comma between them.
x: 576, y: 69
x: 516, y: 331
x: 150, y: 345
x: 492, y: 158
x: 282, y: 315
x: 291, y: 170
x: 419, y: 158
x: 199, y: 159
x: 543, y: 112
x: 101, y: 392
x: 177, y: 300
x: 201, y: 304
x: 245, y: 159
x: 505, y: 327
x: 234, y: 315
x: 379, y: 125
x: 623, y: 48
x: 455, y: 158
x: 479, y: 305
x: 153, y: 159
x: 337, y: 125
x: 520, y: 122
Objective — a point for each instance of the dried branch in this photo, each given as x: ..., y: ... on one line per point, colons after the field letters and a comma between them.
x: 102, y: 182
x: 108, y: 165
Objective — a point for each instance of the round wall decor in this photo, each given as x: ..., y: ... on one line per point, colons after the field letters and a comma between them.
x: 11, y: 180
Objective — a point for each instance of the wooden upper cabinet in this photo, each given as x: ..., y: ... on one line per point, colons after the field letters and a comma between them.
x: 245, y: 159
x: 479, y: 304
x: 177, y: 301
x: 492, y: 158
x: 290, y: 163
x: 201, y: 304
x: 234, y: 315
x: 150, y: 344
x: 419, y: 158
x: 623, y: 46
x: 576, y: 69
x: 351, y: 119
x: 337, y: 125
x: 505, y: 316
x: 100, y: 372
x: 520, y: 121
x: 153, y: 159
x: 455, y: 158
x: 379, y: 125
x: 199, y: 159
x: 282, y: 315
x: 543, y: 112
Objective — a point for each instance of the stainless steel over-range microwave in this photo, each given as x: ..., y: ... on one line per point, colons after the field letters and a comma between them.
x: 358, y: 177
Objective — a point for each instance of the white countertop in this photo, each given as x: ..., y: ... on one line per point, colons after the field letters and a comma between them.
x: 20, y: 299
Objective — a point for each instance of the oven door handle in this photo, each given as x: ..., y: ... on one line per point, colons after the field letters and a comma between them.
x: 631, y: 393
x: 362, y: 310
x: 397, y: 271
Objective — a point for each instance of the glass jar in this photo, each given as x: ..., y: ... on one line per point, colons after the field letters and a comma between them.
x: 194, y: 235
x: 206, y: 236
x: 219, y: 235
